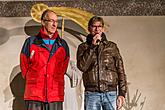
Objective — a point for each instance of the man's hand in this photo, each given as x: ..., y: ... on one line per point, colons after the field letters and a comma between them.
x: 96, y: 38
x: 120, y: 102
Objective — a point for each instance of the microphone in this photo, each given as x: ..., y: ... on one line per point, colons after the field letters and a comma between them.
x: 98, y: 41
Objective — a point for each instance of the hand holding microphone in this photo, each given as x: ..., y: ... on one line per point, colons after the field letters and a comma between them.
x: 96, y: 39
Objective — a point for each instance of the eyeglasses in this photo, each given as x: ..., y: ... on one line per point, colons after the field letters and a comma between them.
x: 94, y: 26
x: 50, y: 20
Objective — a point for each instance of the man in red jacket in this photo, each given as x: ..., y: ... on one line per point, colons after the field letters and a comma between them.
x: 44, y: 60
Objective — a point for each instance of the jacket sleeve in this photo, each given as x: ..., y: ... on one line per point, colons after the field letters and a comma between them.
x: 25, y: 57
x: 84, y: 56
x: 122, y: 82
x: 67, y: 57
x: 65, y: 64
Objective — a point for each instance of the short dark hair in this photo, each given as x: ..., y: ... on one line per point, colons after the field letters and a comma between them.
x: 44, y: 14
x: 95, y: 19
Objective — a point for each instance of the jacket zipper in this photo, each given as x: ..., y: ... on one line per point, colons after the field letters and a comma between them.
x: 98, y: 70
x: 46, y: 80
x: 46, y: 76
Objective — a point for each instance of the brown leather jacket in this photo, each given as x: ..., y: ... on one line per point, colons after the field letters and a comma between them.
x: 102, y: 66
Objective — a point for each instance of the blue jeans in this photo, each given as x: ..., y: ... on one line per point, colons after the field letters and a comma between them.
x: 96, y: 100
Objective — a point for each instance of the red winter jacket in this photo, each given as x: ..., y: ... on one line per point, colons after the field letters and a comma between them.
x: 44, y: 69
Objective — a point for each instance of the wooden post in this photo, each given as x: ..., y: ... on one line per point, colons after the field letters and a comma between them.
x: 62, y: 27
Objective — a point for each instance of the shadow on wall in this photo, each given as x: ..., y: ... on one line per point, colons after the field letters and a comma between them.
x: 4, y: 35
x: 17, y: 86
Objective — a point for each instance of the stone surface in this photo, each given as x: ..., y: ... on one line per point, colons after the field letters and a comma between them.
x: 97, y: 7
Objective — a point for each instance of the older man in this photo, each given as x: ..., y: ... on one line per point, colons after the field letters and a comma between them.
x: 44, y: 60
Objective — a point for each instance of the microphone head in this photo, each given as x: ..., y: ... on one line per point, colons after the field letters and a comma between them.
x: 98, y: 41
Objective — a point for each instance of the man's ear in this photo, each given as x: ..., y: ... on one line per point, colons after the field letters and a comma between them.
x: 42, y: 22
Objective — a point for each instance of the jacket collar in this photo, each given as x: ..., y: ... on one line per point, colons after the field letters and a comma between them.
x: 44, y: 35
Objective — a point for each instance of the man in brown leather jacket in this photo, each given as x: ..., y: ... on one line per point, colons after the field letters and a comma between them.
x: 103, y: 71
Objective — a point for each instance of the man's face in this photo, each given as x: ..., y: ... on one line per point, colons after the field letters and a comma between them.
x: 96, y: 28
x: 50, y: 23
